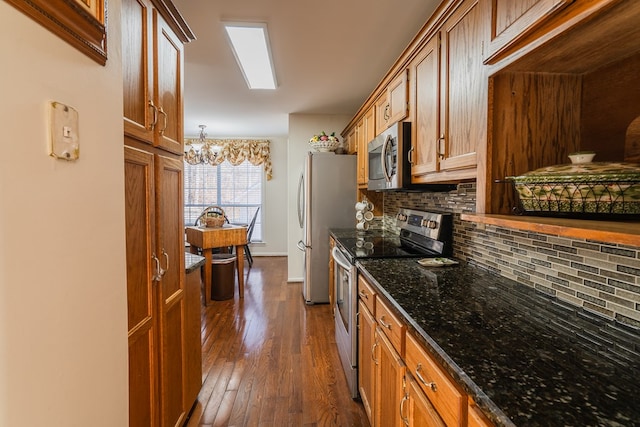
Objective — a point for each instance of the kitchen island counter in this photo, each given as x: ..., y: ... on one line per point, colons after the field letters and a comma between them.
x: 524, y: 357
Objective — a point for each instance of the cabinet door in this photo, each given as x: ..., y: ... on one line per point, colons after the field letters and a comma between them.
x: 366, y: 354
x: 141, y: 288
x: 168, y: 77
x: 382, y: 112
x: 388, y: 388
x: 392, y: 105
x: 425, y: 69
x: 362, y: 154
x: 137, y: 69
x: 398, y: 97
x: 420, y: 411
x: 464, y: 87
x: 170, y: 246
x: 512, y: 19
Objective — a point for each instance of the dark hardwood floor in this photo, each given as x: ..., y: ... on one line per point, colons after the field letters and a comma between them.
x: 271, y: 360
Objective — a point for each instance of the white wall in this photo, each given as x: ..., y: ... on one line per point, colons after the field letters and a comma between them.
x: 63, y: 311
x: 301, y: 128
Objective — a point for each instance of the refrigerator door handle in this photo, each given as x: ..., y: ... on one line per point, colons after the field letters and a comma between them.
x: 301, y: 246
x: 301, y: 200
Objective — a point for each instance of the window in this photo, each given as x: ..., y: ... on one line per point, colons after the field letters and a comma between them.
x: 236, y: 189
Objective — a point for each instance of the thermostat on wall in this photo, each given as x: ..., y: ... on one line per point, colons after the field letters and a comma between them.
x: 64, y: 142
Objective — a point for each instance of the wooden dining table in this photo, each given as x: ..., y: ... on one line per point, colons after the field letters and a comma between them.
x: 205, y: 239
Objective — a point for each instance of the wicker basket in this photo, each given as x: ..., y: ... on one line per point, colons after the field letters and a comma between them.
x: 213, y: 217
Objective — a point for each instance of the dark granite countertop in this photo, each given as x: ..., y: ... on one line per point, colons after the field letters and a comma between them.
x: 527, y: 359
x: 192, y: 262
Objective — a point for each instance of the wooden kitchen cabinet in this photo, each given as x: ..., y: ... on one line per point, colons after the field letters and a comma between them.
x: 365, y: 132
x: 153, y: 64
x: 443, y: 393
x: 332, y: 275
x: 160, y: 390
x: 366, y: 361
x: 392, y: 104
x: 476, y: 417
x: 420, y: 412
x: 513, y: 19
x: 155, y: 288
x: 449, y: 99
x: 389, y: 374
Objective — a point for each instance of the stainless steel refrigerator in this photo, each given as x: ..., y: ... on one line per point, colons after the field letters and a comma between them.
x: 326, y: 199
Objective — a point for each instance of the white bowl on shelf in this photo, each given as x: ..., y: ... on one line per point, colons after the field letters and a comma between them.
x: 582, y: 157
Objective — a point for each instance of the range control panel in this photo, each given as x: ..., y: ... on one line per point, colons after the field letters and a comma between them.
x: 434, y: 225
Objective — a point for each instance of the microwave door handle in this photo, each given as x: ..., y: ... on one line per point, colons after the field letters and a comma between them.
x: 383, y: 158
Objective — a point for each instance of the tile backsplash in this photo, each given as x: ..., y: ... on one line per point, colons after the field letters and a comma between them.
x: 599, y: 276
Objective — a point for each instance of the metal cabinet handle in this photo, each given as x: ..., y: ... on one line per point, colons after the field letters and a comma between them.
x: 410, y: 155
x: 383, y: 323
x: 161, y: 111
x: 405, y: 420
x: 440, y: 147
x: 373, y: 352
x: 386, y: 114
x: 364, y: 295
x: 156, y: 273
x: 431, y: 385
x: 166, y: 257
x: 155, y: 114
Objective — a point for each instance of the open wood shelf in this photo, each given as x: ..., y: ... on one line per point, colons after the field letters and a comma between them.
x: 623, y: 232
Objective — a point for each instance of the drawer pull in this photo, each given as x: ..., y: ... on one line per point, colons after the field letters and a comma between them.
x: 431, y: 385
x: 383, y: 323
x: 364, y: 295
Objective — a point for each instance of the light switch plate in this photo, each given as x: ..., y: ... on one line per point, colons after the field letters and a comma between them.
x: 64, y: 142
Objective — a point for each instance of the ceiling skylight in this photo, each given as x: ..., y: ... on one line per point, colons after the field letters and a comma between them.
x: 250, y: 44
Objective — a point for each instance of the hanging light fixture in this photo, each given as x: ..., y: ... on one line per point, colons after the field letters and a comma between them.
x: 201, y: 151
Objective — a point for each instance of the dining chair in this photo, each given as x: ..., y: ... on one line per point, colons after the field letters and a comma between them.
x: 249, y: 234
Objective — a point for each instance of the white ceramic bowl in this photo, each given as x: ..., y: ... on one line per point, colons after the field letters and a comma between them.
x: 582, y: 157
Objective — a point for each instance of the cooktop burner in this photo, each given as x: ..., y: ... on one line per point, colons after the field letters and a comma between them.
x: 377, y: 247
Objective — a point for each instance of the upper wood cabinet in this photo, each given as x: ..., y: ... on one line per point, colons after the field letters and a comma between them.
x: 513, y: 19
x: 392, y: 106
x: 365, y: 132
x: 449, y: 98
x: 153, y: 64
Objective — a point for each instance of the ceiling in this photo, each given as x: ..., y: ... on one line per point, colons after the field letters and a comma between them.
x: 329, y: 55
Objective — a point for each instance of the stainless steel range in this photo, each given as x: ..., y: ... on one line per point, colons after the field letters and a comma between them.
x: 422, y: 234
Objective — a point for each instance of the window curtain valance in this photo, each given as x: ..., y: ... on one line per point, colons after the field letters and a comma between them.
x: 235, y: 151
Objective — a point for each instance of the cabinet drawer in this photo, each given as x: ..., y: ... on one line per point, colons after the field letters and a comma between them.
x: 443, y: 393
x: 390, y: 325
x: 476, y: 417
x: 367, y: 295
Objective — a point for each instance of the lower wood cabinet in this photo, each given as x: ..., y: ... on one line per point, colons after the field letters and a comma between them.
x: 420, y: 411
x: 442, y: 392
x: 366, y: 359
x: 400, y: 383
x: 156, y: 296
x: 389, y: 375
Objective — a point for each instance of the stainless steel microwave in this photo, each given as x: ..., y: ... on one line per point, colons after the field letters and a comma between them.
x: 388, y: 163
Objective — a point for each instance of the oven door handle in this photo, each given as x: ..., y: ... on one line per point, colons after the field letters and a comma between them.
x: 339, y: 257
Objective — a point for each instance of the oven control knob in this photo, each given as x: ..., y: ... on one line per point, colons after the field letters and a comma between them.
x: 401, y: 217
x: 429, y: 223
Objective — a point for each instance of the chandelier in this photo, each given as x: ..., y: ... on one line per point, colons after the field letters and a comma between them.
x: 201, y: 151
